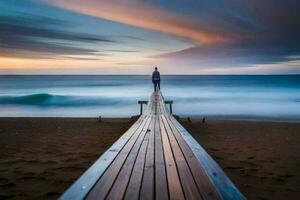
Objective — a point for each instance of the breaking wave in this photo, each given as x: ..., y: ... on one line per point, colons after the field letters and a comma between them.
x: 45, y: 99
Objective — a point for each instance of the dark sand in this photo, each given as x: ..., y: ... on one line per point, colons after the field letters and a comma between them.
x: 261, y: 158
x: 41, y: 158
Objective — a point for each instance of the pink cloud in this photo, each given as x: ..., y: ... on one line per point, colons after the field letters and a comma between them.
x: 140, y: 14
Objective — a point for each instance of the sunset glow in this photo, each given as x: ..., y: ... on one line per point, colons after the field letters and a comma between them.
x: 130, y: 37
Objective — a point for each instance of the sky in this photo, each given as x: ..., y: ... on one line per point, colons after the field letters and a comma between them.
x: 134, y: 36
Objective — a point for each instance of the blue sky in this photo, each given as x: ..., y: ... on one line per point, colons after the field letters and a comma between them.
x: 132, y: 36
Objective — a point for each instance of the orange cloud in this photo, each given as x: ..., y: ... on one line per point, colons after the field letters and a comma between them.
x: 143, y: 15
x: 12, y: 65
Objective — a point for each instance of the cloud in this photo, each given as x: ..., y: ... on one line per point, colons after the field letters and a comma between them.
x: 140, y: 14
x: 235, y: 54
x: 122, y: 51
x: 216, y: 33
x: 27, y: 36
x: 256, y: 32
x: 273, y: 35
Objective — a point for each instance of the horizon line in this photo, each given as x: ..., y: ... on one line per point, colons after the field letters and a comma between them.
x: 146, y: 74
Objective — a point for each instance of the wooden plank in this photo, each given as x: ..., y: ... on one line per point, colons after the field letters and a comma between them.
x: 133, y: 189
x: 119, y: 187
x: 220, y: 180
x: 161, y: 185
x: 187, y: 181
x: 103, y: 186
x: 147, y: 187
x: 80, y: 188
x: 207, y: 189
x: 122, y: 180
x: 174, y: 185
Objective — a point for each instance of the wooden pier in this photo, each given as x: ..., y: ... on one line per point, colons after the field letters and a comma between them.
x: 155, y: 159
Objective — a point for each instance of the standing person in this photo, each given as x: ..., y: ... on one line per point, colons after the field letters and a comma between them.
x: 156, y: 79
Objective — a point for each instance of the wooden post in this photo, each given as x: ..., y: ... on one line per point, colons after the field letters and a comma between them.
x: 141, y: 108
x: 170, y: 102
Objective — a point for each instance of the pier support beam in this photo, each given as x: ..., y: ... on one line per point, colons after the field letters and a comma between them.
x: 141, y: 103
x: 170, y: 102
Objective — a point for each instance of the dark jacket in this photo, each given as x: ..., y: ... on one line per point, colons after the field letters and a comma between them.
x: 155, y: 76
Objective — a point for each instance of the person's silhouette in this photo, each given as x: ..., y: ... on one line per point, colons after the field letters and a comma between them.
x: 156, y: 79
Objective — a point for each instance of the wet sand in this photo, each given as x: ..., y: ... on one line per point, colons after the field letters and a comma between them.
x: 41, y: 158
x: 261, y: 158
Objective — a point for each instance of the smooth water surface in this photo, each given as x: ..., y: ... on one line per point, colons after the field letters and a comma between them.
x: 255, y: 96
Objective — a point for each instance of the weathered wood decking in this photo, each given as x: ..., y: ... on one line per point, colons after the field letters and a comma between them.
x: 155, y: 159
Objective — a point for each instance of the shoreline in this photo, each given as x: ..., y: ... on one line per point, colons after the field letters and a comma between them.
x: 41, y: 157
x: 243, y: 118
x: 181, y: 117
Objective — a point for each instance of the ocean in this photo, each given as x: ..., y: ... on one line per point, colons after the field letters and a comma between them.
x: 215, y: 96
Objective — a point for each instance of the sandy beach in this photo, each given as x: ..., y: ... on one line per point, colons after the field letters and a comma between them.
x: 41, y: 157
x: 261, y: 158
